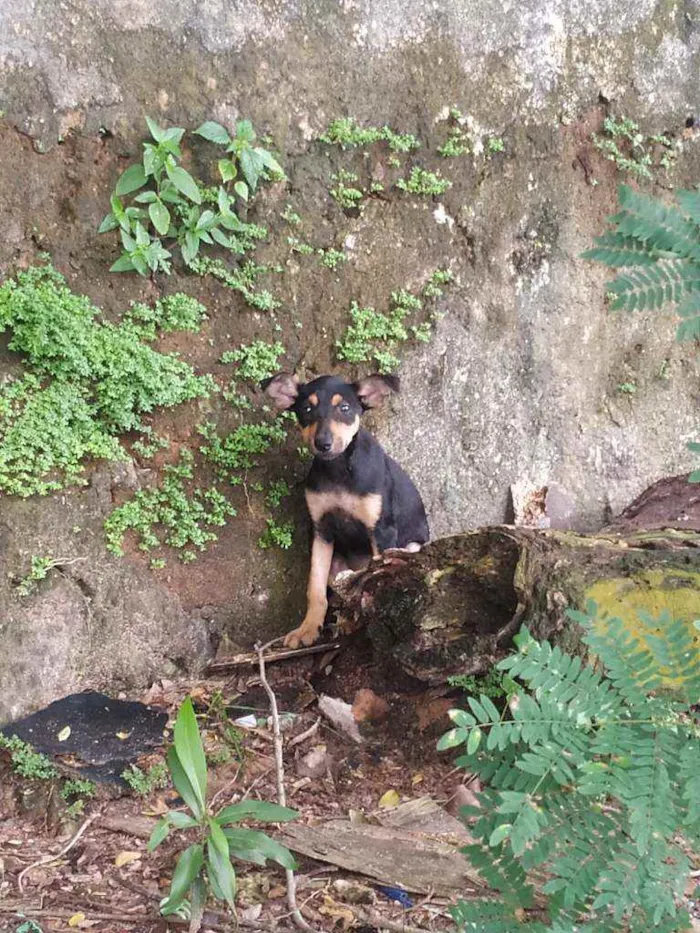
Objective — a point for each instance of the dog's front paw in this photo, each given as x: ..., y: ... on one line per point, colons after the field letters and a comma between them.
x: 305, y: 635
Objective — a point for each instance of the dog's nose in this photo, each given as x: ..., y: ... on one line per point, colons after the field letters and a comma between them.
x: 323, y: 445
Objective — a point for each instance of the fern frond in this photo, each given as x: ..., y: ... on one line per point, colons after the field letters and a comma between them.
x: 561, y: 680
x: 502, y: 872
x: 689, y: 312
x: 650, y: 793
x: 620, y: 251
x: 689, y: 780
x: 586, y: 844
x: 659, y: 226
x: 489, y: 917
x: 665, y: 282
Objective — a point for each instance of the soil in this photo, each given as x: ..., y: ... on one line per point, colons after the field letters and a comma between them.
x: 397, y: 753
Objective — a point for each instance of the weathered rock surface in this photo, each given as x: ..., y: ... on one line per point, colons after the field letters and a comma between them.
x: 521, y: 381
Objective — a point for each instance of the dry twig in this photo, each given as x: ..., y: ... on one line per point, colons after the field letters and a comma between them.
x: 48, y: 859
x: 281, y: 793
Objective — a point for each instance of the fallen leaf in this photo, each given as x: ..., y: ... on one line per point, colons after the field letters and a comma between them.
x: 389, y: 800
x: 417, y: 778
x: 78, y: 918
x: 278, y: 891
x: 124, y: 858
x: 251, y: 914
x: 335, y: 910
x: 62, y: 736
x: 123, y: 735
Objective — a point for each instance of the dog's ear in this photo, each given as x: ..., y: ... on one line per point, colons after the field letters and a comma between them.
x: 374, y: 389
x: 282, y: 389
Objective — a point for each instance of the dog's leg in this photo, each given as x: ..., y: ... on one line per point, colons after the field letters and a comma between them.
x: 317, y: 602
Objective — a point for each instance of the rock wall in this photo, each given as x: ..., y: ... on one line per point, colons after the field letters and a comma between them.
x: 519, y: 384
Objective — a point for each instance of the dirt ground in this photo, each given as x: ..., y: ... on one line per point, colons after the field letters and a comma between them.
x: 84, y: 888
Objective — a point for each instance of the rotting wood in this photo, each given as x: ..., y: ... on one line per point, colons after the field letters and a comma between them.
x: 454, y: 607
x: 414, y: 861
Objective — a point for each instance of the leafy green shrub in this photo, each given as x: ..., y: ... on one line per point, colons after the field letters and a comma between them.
x: 171, y: 204
x: 143, y: 782
x: 25, y: 761
x: 175, y: 312
x: 41, y: 566
x: 238, y: 451
x: 590, y: 782
x: 347, y: 133
x: 374, y: 335
x: 90, y: 380
x: 277, y: 535
x: 78, y: 787
x: 252, y: 161
x: 657, y: 246
x: 238, y: 280
x: 423, y: 182
x: 185, y: 518
x: 256, y: 360
x: 632, y: 151
x: 205, y: 865
x: 346, y: 196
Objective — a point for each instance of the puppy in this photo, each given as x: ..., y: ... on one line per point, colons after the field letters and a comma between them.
x: 360, y: 500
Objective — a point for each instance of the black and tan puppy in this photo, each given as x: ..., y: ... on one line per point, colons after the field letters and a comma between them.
x: 360, y: 500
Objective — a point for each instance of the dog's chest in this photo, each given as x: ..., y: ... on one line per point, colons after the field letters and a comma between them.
x: 365, y: 509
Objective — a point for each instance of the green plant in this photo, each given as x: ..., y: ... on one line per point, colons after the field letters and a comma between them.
x: 238, y: 451
x: 627, y: 388
x: 241, y: 280
x: 89, y: 382
x: 151, y: 444
x: 78, y: 787
x: 291, y: 216
x: 277, y: 491
x: 169, y: 206
x: 332, y: 258
x: 205, y: 865
x: 298, y: 246
x: 373, y: 335
x: 590, y: 781
x: 494, y: 684
x: 29, y: 926
x: 174, y: 312
x: 657, y: 247
x: 457, y: 142
x: 25, y: 761
x: 494, y: 144
x: 40, y: 570
x: 347, y: 133
x: 346, y: 196
x: 632, y: 151
x: 277, y: 535
x: 423, y: 182
x: 185, y: 518
x: 253, y: 162
x: 143, y: 782
x: 256, y: 360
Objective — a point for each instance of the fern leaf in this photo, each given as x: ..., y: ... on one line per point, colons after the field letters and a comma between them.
x: 689, y: 312
x: 489, y: 917
x: 619, y: 251
x: 658, y: 225
x: 689, y: 780
x: 502, y: 872
x: 650, y: 795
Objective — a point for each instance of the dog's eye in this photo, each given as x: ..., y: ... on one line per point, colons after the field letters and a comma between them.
x: 307, y: 409
x: 344, y: 407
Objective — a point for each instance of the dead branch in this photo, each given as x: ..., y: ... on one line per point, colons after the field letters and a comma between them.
x: 250, y: 657
x: 48, y: 859
x: 281, y: 793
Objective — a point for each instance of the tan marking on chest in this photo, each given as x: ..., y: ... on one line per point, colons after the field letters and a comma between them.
x: 365, y: 509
